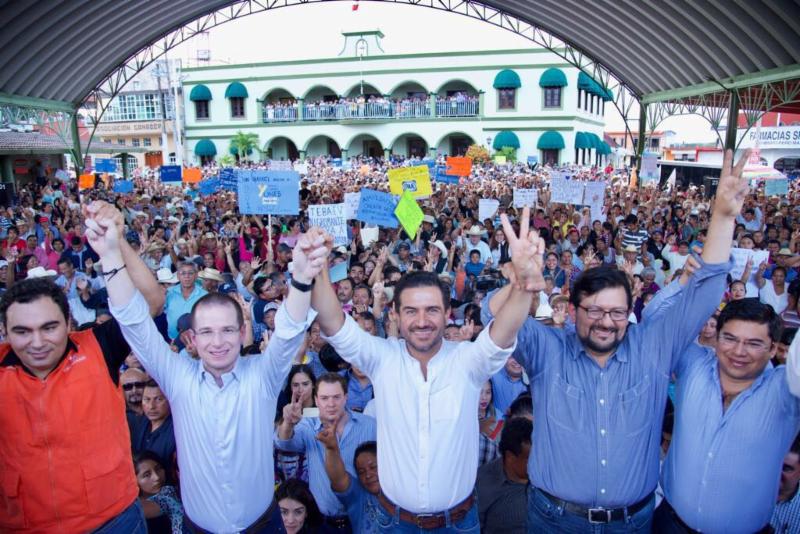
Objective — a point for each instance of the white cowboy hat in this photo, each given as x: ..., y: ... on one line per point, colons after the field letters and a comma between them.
x: 211, y: 274
x: 166, y: 276
x: 40, y: 272
x: 475, y: 230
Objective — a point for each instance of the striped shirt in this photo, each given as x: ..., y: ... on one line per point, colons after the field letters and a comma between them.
x: 634, y: 238
x: 358, y: 429
x: 786, y: 516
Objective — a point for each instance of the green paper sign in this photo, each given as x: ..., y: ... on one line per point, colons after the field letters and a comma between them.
x: 409, y: 214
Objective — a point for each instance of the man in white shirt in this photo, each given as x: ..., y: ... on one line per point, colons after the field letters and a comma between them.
x: 476, y: 243
x: 427, y: 389
x: 222, y: 403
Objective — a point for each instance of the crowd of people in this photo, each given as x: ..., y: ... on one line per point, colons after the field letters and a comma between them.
x: 172, y: 365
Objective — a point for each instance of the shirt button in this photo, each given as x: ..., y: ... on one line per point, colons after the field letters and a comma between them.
x: 602, y: 401
x: 603, y: 463
x: 602, y: 490
x: 602, y: 431
x: 710, y: 454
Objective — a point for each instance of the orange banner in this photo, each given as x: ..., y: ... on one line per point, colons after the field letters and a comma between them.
x: 86, y: 181
x: 459, y: 166
x: 192, y: 176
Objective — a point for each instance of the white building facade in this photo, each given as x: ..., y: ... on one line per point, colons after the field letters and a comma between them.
x: 368, y: 103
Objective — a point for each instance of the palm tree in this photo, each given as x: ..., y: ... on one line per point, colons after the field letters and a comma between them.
x: 242, y: 144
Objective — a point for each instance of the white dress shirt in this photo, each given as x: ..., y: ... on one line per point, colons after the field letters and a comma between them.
x: 223, y: 434
x: 427, y: 429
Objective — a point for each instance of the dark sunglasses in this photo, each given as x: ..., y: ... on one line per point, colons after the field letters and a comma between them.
x: 129, y: 386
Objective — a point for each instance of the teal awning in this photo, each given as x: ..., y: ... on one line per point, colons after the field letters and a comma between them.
x: 594, y: 140
x: 507, y: 79
x: 505, y: 138
x: 550, y: 140
x: 582, y: 140
x: 586, y: 83
x: 553, y: 77
x: 200, y: 92
x: 205, y: 147
x: 608, y: 94
x: 236, y: 90
x: 606, y: 149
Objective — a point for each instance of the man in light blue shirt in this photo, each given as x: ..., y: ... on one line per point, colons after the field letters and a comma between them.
x: 299, y: 434
x: 507, y: 384
x: 600, y: 390
x: 735, y: 418
x: 182, y: 297
x: 222, y: 404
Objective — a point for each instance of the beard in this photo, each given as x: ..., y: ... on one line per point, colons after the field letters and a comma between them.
x: 601, y: 348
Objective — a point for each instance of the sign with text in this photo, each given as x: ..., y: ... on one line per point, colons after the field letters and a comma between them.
x: 500, y: 160
x: 459, y: 166
x: 565, y: 191
x: 170, y: 173
x: 776, y: 186
x: 105, y: 165
x: 487, y: 207
x: 594, y: 194
x: 415, y: 180
x: 351, y: 201
x: 268, y: 192
x: 377, y: 207
x: 208, y: 186
x: 740, y: 257
x: 776, y: 137
x: 441, y: 175
x: 227, y: 179
x: 331, y: 218
x: 123, y: 186
x: 86, y: 181
x: 409, y: 213
x: 192, y: 175
x: 649, y: 172
x: 525, y: 197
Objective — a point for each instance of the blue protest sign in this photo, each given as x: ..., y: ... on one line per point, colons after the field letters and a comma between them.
x: 105, y: 165
x: 227, y: 179
x: 440, y: 176
x: 776, y: 186
x: 208, y: 186
x: 377, y: 207
x: 431, y: 163
x: 533, y: 160
x: 170, y: 173
x: 336, y: 162
x: 269, y: 192
x: 123, y: 186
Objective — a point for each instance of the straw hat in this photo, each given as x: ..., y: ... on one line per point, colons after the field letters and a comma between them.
x: 211, y: 274
x: 40, y: 272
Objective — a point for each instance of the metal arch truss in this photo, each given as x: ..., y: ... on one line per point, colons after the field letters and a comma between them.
x: 113, y: 84
x: 754, y: 102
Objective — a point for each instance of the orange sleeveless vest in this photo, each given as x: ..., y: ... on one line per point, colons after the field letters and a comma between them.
x: 65, y: 452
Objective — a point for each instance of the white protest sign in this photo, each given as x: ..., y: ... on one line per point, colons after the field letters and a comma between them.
x: 594, y: 194
x: 62, y: 175
x: 740, y: 256
x: 330, y: 217
x: 301, y: 168
x: 525, y: 197
x: 565, y: 191
x: 351, y: 201
x: 487, y: 207
x: 649, y: 170
x: 275, y: 165
x: 369, y: 234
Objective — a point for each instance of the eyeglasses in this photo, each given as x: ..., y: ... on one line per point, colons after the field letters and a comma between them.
x: 751, y: 346
x: 131, y: 385
x: 596, y: 314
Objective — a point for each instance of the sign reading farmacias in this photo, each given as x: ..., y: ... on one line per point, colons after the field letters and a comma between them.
x: 783, y: 137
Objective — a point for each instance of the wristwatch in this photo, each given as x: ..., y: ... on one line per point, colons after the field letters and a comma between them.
x: 300, y: 286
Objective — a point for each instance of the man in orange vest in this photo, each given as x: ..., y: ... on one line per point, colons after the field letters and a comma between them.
x: 65, y: 454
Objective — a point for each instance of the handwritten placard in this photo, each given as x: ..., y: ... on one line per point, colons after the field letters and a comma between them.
x: 740, y: 257
x: 487, y: 207
x: 227, y: 179
x: 331, y: 218
x: 565, y: 191
x: 776, y: 187
x: 525, y: 197
x: 377, y: 207
x: 409, y: 213
x: 351, y: 201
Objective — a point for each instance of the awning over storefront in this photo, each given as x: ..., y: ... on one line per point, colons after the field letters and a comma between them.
x: 550, y: 140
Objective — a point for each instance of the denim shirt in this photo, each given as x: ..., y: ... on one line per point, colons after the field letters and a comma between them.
x: 598, y: 429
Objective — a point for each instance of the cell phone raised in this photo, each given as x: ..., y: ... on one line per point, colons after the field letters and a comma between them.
x: 311, y: 412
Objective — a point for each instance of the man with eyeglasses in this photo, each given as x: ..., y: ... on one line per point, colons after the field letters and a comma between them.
x: 182, y: 297
x: 222, y: 403
x: 735, y: 418
x: 601, y: 388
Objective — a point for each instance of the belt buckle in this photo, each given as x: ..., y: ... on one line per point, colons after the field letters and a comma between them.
x: 605, y: 516
x: 422, y: 517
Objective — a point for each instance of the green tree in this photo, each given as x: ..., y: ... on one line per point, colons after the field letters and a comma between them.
x: 509, y: 152
x: 243, y: 144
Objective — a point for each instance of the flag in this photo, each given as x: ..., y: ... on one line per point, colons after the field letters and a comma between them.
x: 355, y: 5
x: 671, y: 180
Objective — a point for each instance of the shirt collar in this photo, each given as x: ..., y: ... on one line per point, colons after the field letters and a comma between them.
x: 226, y: 378
x: 577, y: 348
x: 12, y: 359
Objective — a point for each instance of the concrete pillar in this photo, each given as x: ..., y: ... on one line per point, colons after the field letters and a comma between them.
x: 302, y: 154
x: 733, y: 121
x: 125, y: 170
x: 344, y: 154
x: 432, y: 151
x: 7, y: 168
x: 300, y: 103
x: 386, y: 153
x: 432, y: 104
x: 481, y: 100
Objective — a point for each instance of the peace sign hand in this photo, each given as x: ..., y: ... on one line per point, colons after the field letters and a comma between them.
x: 293, y: 412
x: 527, y: 253
x: 327, y: 436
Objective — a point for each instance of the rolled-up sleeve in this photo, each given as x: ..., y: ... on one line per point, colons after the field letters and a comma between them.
x: 297, y: 443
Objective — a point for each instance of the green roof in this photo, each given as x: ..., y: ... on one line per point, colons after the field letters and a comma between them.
x: 550, y: 140
x: 582, y: 140
x: 505, y: 138
x: 200, y: 92
x: 507, y: 79
x: 236, y: 90
x: 205, y: 147
x: 553, y: 77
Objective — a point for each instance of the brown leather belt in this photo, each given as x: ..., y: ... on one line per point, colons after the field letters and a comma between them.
x: 428, y: 521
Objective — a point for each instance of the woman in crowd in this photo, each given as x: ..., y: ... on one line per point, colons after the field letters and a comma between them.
x: 298, y: 508
x: 773, y: 291
x: 162, y: 508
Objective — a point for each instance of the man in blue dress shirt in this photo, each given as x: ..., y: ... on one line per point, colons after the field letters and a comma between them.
x: 735, y: 418
x: 600, y: 390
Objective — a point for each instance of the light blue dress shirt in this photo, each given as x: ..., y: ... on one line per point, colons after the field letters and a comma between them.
x: 358, y: 429
x: 175, y: 306
x: 723, y: 468
x: 223, y: 434
x: 505, y: 389
x: 598, y: 430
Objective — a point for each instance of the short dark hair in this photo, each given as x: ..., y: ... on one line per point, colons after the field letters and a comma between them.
x: 795, y: 448
x: 366, y: 447
x: 788, y: 335
x: 516, y: 432
x: 592, y: 281
x: 218, y: 299
x: 333, y: 378
x: 754, y: 311
x: 27, y: 291
x: 416, y: 279
x: 152, y: 384
x: 66, y: 260
x: 521, y: 406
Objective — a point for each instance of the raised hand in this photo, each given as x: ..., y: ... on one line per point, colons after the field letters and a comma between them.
x: 327, y: 436
x: 104, y: 224
x: 467, y: 330
x: 310, y: 254
x: 293, y: 412
x: 732, y: 188
x: 527, y: 252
